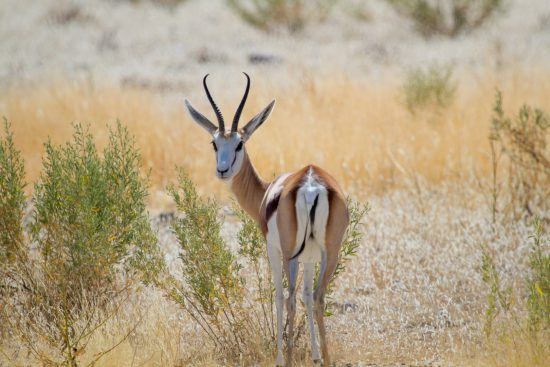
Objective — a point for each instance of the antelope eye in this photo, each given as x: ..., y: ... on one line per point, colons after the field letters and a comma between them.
x: 215, y: 147
x: 240, y: 146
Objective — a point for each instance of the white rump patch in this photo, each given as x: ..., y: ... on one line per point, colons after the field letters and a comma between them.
x: 313, y: 233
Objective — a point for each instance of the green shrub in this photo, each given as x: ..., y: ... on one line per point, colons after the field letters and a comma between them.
x: 93, y: 242
x: 212, y: 290
x: 500, y: 299
x: 523, y: 140
x: 292, y: 15
x: 450, y: 17
x: 538, y: 284
x: 12, y: 205
x: 433, y: 87
x: 252, y: 249
x: 12, y: 198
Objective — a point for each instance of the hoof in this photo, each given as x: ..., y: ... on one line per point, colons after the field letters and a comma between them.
x: 317, y: 361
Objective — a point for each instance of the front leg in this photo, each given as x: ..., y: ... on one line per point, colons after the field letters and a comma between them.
x: 275, y: 262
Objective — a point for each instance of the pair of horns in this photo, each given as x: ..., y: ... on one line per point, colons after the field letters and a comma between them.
x: 221, y: 123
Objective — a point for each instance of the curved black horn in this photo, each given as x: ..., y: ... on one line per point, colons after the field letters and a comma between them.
x: 235, y: 124
x: 221, y: 123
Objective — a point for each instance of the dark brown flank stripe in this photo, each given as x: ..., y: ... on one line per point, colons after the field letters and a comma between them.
x: 272, y: 207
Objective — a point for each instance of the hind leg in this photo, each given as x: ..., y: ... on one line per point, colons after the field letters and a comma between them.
x: 335, y: 230
x: 309, y: 274
x: 292, y: 273
x: 328, y: 265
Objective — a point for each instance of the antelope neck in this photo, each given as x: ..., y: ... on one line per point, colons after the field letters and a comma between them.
x: 249, y: 188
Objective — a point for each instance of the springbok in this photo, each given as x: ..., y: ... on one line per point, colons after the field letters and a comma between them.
x: 303, y: 216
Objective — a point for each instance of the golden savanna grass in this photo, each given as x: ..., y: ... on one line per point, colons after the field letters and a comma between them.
x: 360, y: 132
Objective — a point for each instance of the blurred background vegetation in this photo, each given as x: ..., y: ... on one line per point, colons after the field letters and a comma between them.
x: 435, y: 112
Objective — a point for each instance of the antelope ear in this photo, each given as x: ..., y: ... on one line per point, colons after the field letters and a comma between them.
x: 257, y: 121
x: 200, y: 119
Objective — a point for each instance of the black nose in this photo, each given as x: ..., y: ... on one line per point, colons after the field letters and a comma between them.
x: 222, y: 172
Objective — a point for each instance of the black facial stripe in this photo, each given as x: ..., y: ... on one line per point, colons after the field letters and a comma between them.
x: 240, y: 146
x: 215, y: 147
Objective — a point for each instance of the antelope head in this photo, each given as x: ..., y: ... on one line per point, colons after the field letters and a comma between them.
x: 228, y: 145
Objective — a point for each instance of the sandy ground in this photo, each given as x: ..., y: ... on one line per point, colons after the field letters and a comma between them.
x: 140, y: 43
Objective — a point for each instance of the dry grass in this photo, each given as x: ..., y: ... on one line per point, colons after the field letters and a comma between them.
x: 512, y: 349
x: 414, y: 292
x: 413, y: 295
x: 361, y: 133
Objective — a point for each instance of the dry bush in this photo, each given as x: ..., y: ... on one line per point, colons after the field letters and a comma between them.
x: 514, y: 322
x: 169, y: 3
x: 432, y: 87
x: 64, y: 13
x: 292, y: 15
x: 524, y: 141
x: 448, y: 17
